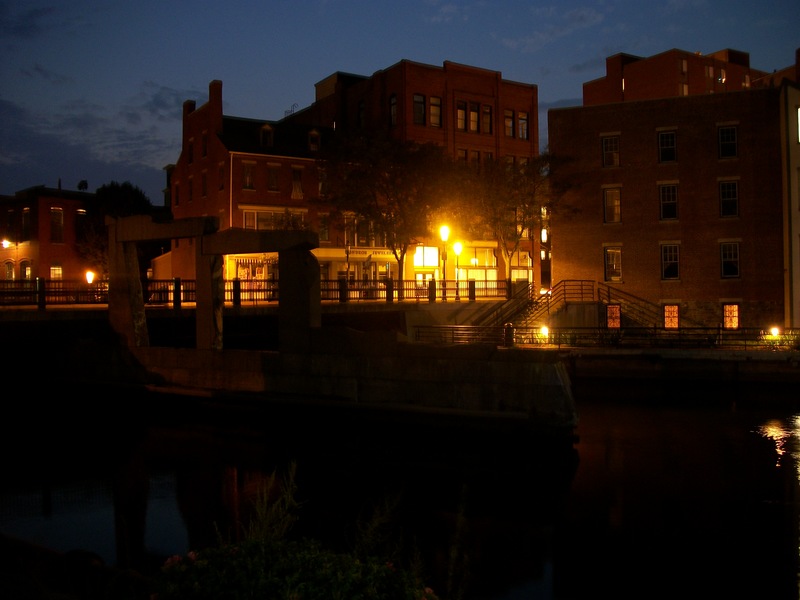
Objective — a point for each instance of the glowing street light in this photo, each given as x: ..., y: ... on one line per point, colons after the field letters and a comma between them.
x: 444, y: 233
x: 457, y: 248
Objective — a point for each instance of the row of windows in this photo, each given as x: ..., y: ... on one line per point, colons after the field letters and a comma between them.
x: 670, y: 261
x: 472, y: 117
x: 248, y: 182
x: 667, y: 146
x: 668, y: 201
x: 671, y: 316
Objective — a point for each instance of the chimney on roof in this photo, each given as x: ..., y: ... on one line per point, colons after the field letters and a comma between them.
x: 215, y: 92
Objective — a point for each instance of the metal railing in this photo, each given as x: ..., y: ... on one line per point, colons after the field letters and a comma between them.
x: 175, y: 292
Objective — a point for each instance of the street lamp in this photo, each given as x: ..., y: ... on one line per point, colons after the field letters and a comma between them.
x: 444, y: 233
x: 457, y: 247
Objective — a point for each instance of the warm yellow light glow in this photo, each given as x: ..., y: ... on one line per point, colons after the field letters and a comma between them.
x: 89, y: 277
x: 444, y: 232
x: 457, y: 248
x: 774, y: 331
x: 6, y: 243
x: 545, y: 331
x: 544, y: 235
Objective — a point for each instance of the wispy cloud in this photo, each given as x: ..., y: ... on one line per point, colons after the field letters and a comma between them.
x: 565, y: 24
x: 24, y: 24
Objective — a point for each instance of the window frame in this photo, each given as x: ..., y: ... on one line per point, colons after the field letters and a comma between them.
x: 731, y: 315
x: 728, y: 198
x: 418, y: 103
x: 667, y: 146
x: 670, y: 254
x: 612, y: 205
x: 612, y: 263
x: 668, y: 201
x: 435, y: 111
x: 730, y: 259
x: 728, y: 145
x: 671, y: 316
x: 609, y: 146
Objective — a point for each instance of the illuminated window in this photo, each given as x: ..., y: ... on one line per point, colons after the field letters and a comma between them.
x: 508, y: 122
x: 522, y: 125
x: 671, y: 314
x: 613, y: 316
x: 612, y: 209
x: 670, y: 265
x: 473, y: 117
x: 610, y: 145
x: 613, y: 264
x: 56, y: 273
x: 668, y: 201
x: 730, y: 316
x: 461, y: 115
x: 729, y: 259
x: 436, y: 111
x: 667, y: 149
x: 9, y: 271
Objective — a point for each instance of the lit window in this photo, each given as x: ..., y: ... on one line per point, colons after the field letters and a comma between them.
x: 508, y: 122
x: 436, y: 111
x: 730, y: 316
x: 612, y: 209
x: 473, y: 117
x: 613, y: 264
x: 461, y: 115
x: 522, y: 122
x: 613, y: 316
x: 671, y: 316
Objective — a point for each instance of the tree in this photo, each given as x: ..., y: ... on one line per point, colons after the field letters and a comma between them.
x: 506, y: 201
x: 392, y: 184
x: 113, y: 200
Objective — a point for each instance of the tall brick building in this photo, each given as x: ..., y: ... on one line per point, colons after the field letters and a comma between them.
x: 682, y: 175
x: 263, y: 174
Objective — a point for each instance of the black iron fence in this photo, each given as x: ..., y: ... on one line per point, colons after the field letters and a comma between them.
x: 624, y: 337
x: 175, y: 292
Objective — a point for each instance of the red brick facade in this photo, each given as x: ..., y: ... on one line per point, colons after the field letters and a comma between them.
x: 681, y: 201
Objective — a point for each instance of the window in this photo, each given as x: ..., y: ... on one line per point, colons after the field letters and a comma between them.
x: 436, y: 111
x: 419, y: 109
x: 612, y: 210
x: 247, y: 177
x: 671, y: 316
x: 610, y: 146
x: 273, y: 172
x: 684, y: 89
x: 722, y: 76
x: 668, y: 201
x: 667, y: 151
x: 727, y: 142
x: 670, y: 265
x: 297, y: 183
x: 522, y: 122
x: 267, y: 136
x: 313, y: 140
x: 613, y: 316
x: 56, y: 272
x: 56, y: 225
x: 729, y: 258
x: 9, y: 271
x: 486, y: 119
x: 730, y: 316
x: 508, y: 122
x: 473, y: 117
x: 393, y: 110
x: 25, y: 233
x: 461, y: 155
x: 461, y: 115
x: 728, y: 198
x: 475, y: 157
x: 324, y: 227
x: 613, y: 264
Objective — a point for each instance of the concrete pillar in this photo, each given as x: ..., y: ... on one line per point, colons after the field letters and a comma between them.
x: 299, y: 308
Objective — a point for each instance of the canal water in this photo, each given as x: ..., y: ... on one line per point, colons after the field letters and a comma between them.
x: 688, y: 494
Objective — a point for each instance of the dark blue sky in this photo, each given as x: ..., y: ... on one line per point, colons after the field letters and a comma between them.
x: 93, y: 89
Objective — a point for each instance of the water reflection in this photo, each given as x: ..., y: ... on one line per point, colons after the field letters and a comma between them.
x: 659, y: 499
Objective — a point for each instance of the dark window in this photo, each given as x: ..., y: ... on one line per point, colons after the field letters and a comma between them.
x: 56, y: 225
x: 729, y: 257
x: 667, y: 149
x: 668, y: 201
x: 486, y: 119
x: 419, y: 109
x: 729, y: 198
x: 393, y: 110
x: 610, y: 151
x: 670, y: 265
x: 727, y: 142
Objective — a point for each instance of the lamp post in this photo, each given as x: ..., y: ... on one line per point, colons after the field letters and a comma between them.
x: 444, y: 233
x: 457, y: 247
x: 7, y: 244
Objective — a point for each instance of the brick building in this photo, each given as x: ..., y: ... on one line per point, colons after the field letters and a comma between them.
x: 39, y: 234
x: 263, y: 174
x: 682, y: 178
